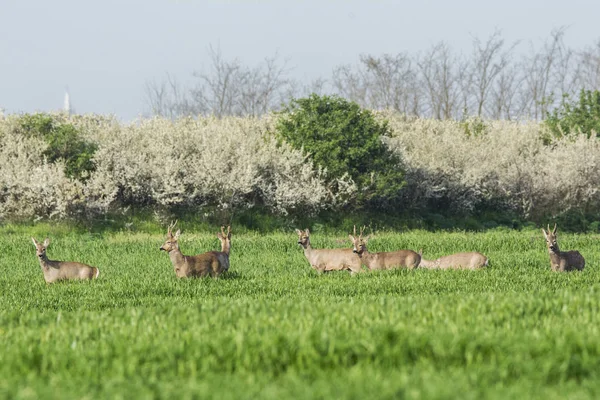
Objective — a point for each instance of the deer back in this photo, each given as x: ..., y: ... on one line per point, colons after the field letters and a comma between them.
x: 391, y: 259
x: 211, y: 263
x: 466, y: 260
x: 333, y: 259
x: 65, y: 270
x: 428, y: 263
x: 567, y: 261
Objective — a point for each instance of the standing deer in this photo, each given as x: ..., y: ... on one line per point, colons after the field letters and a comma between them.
x: 468, y: 260
x: 328, y: 259
x: 211, y: 263
x: 562, y: 260
x: 62, y: 270
x: 383, y: 260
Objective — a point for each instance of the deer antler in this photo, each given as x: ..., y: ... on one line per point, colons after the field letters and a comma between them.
x: 354, y: 231
x: 223, y: 231
x: 362, y: 231
x: 170, y: 228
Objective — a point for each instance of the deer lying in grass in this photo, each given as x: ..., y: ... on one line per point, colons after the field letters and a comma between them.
x: 211, y: 263
x: 328, y: 259
x: 468, y: 260
x: 384, y: 260
x: 62, y: 270
x: 562, y: 260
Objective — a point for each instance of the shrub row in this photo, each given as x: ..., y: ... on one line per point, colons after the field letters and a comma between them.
x: 463, y: 168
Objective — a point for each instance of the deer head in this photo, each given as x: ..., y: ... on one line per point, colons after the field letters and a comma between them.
x: 171, y: 242
x: 359, y: 243
x: 551, y: 239
x: 40, y: 248
x: 303, y: 238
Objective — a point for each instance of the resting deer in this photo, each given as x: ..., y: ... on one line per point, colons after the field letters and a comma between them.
x: 212, y: 263
x: 328, y: 259
x: 562, y: 260
x: 62, y: 270
x: 383, y: 260
x: 469, y: 260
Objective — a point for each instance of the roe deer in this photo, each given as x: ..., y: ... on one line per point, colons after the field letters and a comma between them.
x: 211, y: 263
x: 562, y: 260
x: 467, y: 260
x: 328, y: 259
x: 62, y: 270
x: 383, y: 260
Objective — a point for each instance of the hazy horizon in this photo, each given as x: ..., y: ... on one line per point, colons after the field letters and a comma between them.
x: 106, y: 52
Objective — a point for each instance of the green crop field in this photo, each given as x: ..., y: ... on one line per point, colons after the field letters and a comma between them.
x: 273, y: 328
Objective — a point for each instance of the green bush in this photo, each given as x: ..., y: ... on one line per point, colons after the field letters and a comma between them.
x: 344, y: 138
x: 582, y: 115
x: 64, y: 143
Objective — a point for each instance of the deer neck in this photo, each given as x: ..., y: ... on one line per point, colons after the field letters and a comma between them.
x: 225, y: 247
x: 555, y: 256
x: 308, y: 250
x: 366, y: 256
x: 46, y: 264
x: 176, y: 256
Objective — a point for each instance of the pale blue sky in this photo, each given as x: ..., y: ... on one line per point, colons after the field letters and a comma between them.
x: 105, y: 51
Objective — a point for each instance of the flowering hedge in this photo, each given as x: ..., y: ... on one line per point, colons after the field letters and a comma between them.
x: 209, y: 162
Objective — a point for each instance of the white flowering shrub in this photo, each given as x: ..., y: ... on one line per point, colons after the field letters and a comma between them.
x: 158, y: 162
x: 235, y: 162
x: 505, y: 166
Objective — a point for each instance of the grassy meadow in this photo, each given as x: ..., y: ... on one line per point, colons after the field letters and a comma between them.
x: 273, y: 328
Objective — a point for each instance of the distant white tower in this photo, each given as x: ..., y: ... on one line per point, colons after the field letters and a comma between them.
x: 67, y: 105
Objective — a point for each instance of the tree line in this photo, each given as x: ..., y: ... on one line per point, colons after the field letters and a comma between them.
x: 495, y: 80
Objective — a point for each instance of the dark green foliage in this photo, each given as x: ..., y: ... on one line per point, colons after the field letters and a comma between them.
x: 64, y: 143
x: 344, y: 138
x: 582, y: 115
x: 474, y: 127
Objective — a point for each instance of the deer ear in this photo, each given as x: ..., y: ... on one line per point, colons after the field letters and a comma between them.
x: 351, y: 238
x: 177, y: 234
x: 220, y: 236
x: 545, y: 234
x: 35, y: 243
x: 46, y: 242
x: 299, y: 232
x: 307, y: 232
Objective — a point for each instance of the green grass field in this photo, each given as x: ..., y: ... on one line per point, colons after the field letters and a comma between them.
x: 273, y: 328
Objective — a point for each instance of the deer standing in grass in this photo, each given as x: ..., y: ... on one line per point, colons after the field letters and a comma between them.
x: 562, y: 260
x: 468, y: 260
x: 383, y: 260
x: 211, y: 263
x: 324, y: 260
x: 62, y: 270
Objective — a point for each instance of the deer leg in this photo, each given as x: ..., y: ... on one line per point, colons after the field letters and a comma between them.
x: 215, y: 268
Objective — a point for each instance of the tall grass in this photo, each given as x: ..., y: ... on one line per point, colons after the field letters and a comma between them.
x: 273, y: 328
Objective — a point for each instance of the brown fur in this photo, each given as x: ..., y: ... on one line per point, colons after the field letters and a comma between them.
x: 383, y: 260
x: 212, y: 263
x: 562, y: 261
x: 323, y: 260
x: 62, y: 270
x: 467, y: 260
